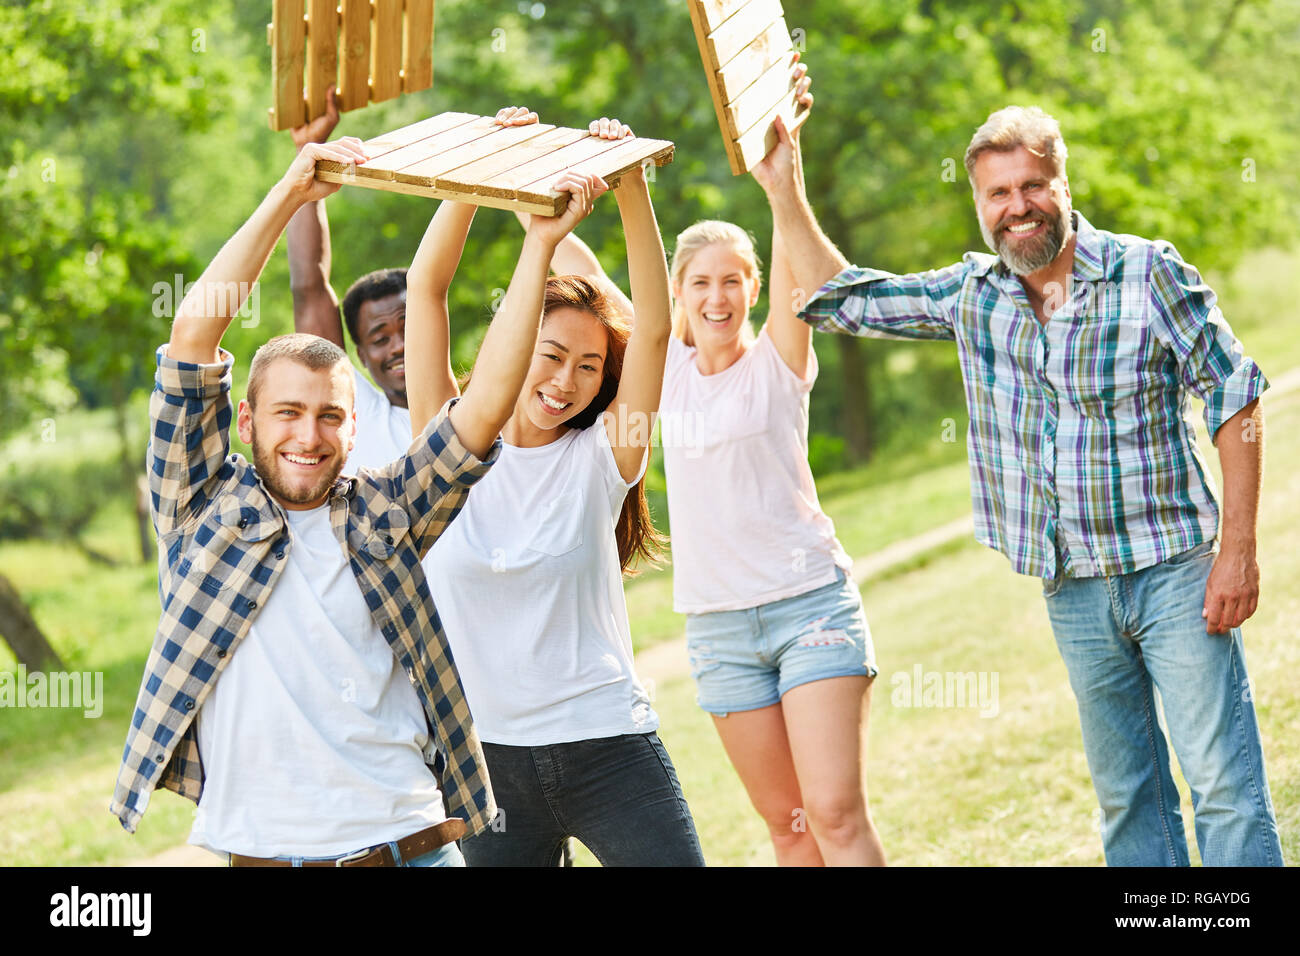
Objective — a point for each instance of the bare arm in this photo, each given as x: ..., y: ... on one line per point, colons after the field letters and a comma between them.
x: 634, y: 407
x: 1232, y: 591
x: 813, y: 258
x: 573, y: 256
x: 507, y: 349
x: 211, y: 304
x: 791, y: 336
x: 428, y: 332
x: 315, y: 306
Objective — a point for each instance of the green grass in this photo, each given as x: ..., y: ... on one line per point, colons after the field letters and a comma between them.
x: 947, y: 786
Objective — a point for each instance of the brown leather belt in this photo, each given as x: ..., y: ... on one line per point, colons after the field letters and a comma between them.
x: 415, y: 845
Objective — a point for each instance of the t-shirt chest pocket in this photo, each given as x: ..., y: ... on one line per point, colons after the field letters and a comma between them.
x: 558, y: 528
x: 734, y: 418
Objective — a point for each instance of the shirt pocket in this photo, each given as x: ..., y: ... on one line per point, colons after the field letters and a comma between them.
x: 559, y: 525
x: 388, y: 534
x: 231, y: 528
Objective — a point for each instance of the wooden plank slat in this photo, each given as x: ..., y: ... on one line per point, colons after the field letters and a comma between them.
x: 773, y: 45
x: 716, y: 11
x: 757, y: 99
x: 755, y: 142
x: 384, y: 145
x: 385, y: 50
x: 550, y: 165
x: 468, y: 176
x: 426, y: 171
x: 738, y: 32
x: 611, y: 165
x: 322, y: 54
x: 417, y: 46
x: 385, y: 166
x: 354, y: 76
x: 495, y: 202
x: 504, y: 167
x: 714, y: 79
x: 387, y: 142
x: 287, y: 55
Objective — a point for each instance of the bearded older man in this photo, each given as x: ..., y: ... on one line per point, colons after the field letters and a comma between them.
x: 1079, y: 350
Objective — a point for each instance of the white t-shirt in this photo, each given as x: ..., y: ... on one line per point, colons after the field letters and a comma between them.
x: 528, y: 584
x: 747, y: 528
x: 383, y: 429
x: 313, y: 741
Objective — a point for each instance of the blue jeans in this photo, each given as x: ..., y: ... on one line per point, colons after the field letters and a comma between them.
x: 618, y: 795
x: 1120, y: 637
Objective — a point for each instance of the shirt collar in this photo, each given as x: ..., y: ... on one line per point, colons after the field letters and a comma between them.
x: 1091, y: 261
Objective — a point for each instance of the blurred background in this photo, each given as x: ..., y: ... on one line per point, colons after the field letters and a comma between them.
x: 135, y: 142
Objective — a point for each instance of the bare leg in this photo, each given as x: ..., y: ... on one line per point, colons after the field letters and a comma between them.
x: 756, y: 743
x: 826, y: 723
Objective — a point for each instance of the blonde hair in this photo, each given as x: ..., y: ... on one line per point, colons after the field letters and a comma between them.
x: 710, y: 232
x: 1015, y: 126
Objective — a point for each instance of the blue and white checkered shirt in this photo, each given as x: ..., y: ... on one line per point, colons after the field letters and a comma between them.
x: 1079, y: 428
x: 224, y: 543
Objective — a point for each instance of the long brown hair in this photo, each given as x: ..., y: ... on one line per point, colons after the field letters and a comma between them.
x: 638, y: 539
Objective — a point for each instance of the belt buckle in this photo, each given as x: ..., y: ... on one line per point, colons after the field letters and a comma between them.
x: 354, y: 856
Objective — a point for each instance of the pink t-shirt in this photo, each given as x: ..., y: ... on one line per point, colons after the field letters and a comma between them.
x: 747, y: 528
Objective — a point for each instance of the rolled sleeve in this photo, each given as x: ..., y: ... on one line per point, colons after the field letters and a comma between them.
x: 878, y: 304
x: 1211, y: 361
x: 436, y: 474
x: 189, y: 416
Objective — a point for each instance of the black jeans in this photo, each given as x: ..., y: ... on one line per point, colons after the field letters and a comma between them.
x: 618, y: 795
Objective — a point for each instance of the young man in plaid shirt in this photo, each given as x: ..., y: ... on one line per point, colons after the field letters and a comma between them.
x: 1079, y: 349
x: 300, y: 689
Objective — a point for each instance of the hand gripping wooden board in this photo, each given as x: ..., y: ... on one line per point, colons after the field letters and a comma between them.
x: 749, y: 60
x: 470, y: 158
x: 373, y: 50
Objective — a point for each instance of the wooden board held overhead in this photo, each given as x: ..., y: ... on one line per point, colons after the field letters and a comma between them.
x: 371, y: 50
x: 749, y: 61
x: 471, y: 159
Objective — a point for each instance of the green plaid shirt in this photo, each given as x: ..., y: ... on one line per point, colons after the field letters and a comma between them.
x: 223, y: 543
x: 1079, y: 437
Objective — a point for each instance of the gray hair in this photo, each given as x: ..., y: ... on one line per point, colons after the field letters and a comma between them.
x: 1016, y: 126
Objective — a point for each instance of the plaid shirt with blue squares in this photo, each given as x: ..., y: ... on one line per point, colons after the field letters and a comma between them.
x: 223, y: 543
x: 1083, y: 459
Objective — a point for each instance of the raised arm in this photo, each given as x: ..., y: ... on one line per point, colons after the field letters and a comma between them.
x: 791, y: 336
x: 506, y: 352
x: 631, y: 414
x: 315, y: 306
x: 813, y: 258
x: 573, y: 256
x: 211, y: 305
x: 428, y: 332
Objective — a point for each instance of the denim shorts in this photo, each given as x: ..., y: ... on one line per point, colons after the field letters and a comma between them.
x: 744, y: 660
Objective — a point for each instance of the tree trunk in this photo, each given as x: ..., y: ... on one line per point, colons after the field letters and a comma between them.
x: 19, y: 630
x: 856, y: 422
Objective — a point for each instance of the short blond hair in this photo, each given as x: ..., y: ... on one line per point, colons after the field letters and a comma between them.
x: 1014, y: 126
x: 316, y: 353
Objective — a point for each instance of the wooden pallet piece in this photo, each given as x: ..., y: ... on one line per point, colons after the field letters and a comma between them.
x: 288, y: 36
x: 322, y: 53
x: 372, y: 50
x: 749, y: 62
x: 469, y: 158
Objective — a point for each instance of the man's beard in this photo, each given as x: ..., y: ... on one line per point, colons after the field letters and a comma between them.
x: 1028, y: 256
x: 268, y: 467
